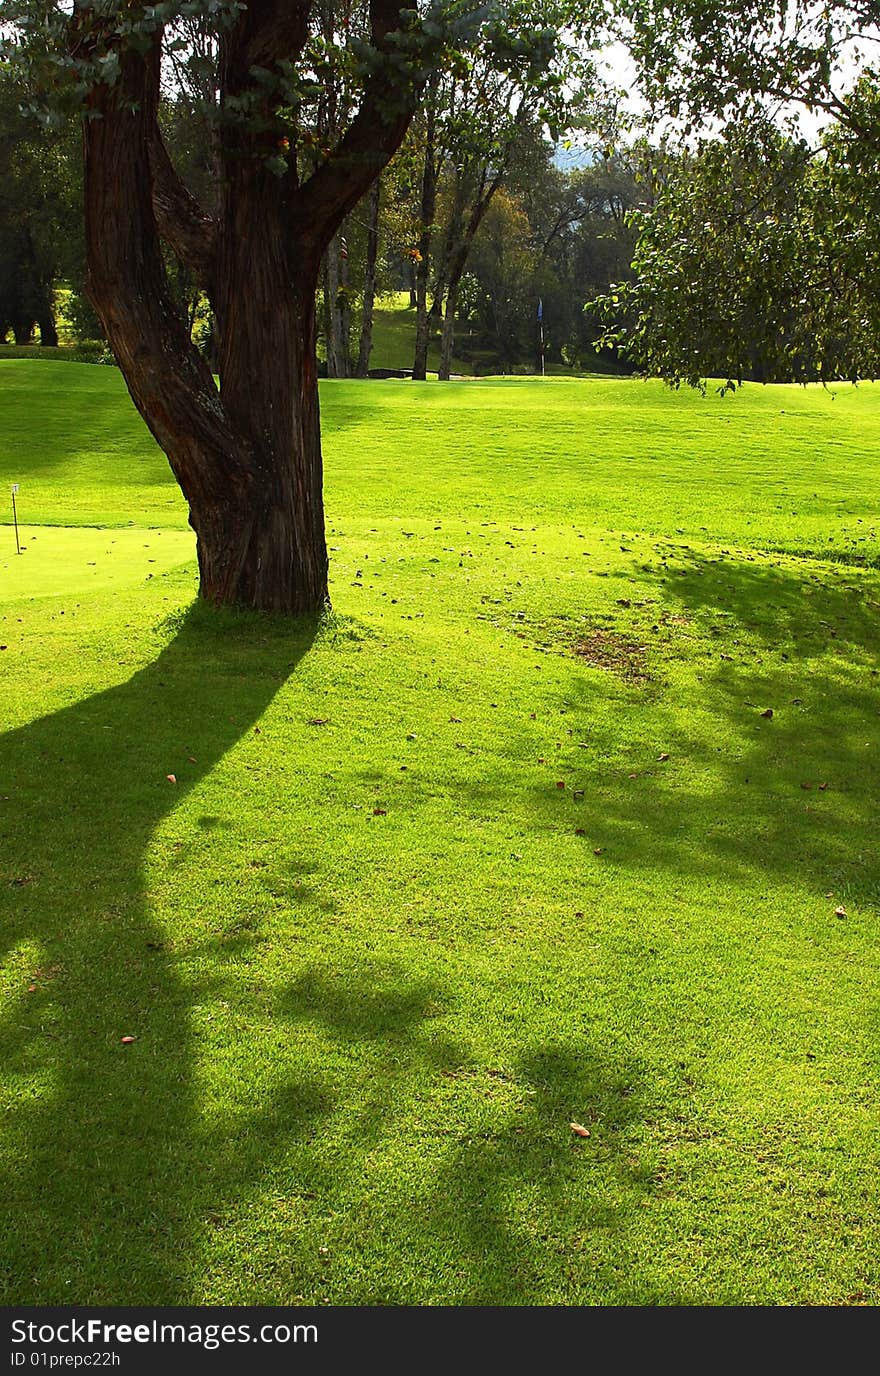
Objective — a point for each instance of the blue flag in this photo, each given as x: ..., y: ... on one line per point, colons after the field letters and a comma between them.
x: 540, y: 309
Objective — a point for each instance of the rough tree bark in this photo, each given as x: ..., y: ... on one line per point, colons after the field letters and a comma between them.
x: 247, y: 457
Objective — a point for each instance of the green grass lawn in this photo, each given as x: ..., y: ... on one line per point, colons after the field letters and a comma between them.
x: 509, y: 842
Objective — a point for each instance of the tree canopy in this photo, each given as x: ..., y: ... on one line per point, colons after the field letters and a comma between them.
x: 760, y: 255
x: 758, y: 260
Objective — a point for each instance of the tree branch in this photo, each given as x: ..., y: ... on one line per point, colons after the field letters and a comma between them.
x: 181, y: 221
x: 372, y: 138
x: 273, y: 30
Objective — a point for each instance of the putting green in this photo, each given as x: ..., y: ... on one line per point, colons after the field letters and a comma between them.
x: 60, y: 560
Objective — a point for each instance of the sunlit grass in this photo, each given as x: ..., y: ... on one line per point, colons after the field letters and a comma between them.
x: 507, y: 842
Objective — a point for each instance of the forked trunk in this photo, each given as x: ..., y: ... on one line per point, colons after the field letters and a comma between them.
x: 248, y: 459
x: 460, y: 237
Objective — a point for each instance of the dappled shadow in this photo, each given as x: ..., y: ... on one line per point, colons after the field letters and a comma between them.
x: 751, y: 747
x: 538, y: 1214
x: 497, y: 1212
x: 798, y: 610
x: 381, y: 1008
x: 99, y: 1206
x: 775, y: 769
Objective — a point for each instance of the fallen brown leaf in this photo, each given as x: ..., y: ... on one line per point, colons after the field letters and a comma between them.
x: 579, y: 1130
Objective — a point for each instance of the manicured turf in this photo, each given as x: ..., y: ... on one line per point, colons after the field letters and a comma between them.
x: 509, y: 842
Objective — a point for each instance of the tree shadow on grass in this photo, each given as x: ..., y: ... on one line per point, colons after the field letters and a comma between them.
x: 765, y: 758
x: 99, y: 1132
x: 505, y: 1205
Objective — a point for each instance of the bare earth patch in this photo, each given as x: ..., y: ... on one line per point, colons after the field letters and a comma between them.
x: 609, y: 650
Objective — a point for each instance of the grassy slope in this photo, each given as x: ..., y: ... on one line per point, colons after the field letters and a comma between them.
x: 372, y: 957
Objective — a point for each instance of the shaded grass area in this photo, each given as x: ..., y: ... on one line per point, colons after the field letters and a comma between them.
x: 376, y: 959
x: 394, y: 337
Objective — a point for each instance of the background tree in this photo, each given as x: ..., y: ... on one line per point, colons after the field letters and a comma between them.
x: 586, y: 239
x: 785, y: 251
x: 499, y: 292
x: 41, y: 238
x: 758, y: 261
x: 483, y: 127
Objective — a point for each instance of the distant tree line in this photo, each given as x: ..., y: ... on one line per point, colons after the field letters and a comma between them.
x: 473, y: 220
x: 746, y: 255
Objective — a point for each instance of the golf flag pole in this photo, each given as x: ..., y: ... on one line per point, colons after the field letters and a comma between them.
x: 541, y: 331
x: 15, y: 519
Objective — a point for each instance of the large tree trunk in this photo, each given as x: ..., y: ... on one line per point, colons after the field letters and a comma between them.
x: 366, y: 340
x: 249, y: 466
x: 269, y: 390
x: 247, y: 458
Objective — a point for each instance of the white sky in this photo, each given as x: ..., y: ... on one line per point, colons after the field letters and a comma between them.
x: 621, y: 71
